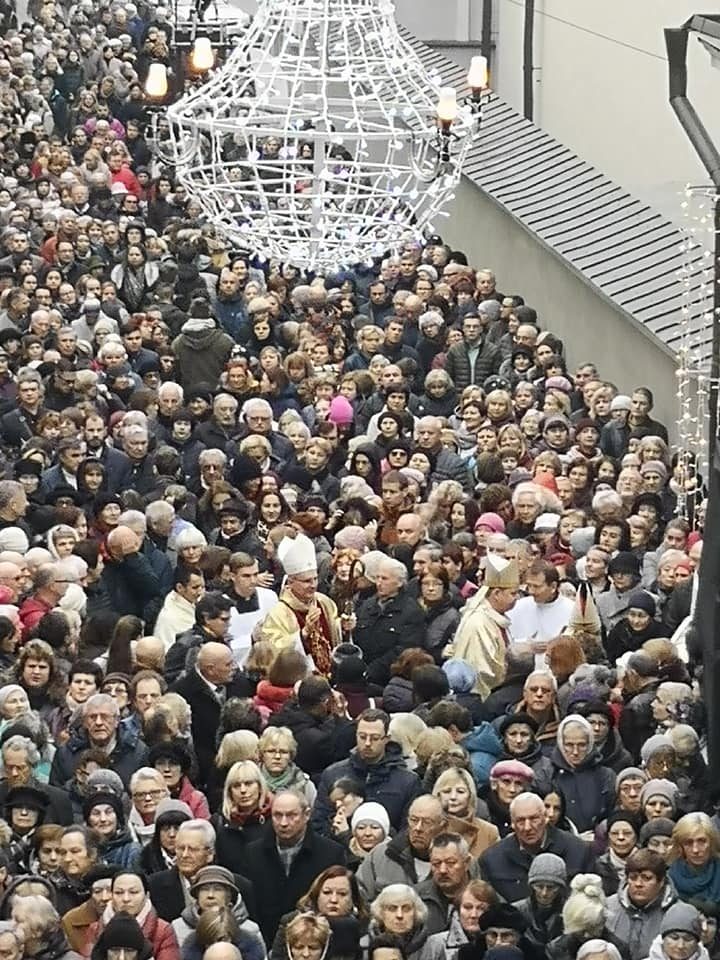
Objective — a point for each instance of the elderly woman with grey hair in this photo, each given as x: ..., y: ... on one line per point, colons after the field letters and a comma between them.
x: 440, y: 396
x: 41, y: 929
x: 12, y: 940
x: 147, y: 789
x: 398, y: 911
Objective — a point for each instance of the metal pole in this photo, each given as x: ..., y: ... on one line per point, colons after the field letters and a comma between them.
x: 705, y: 644
x: 486, y: 32
x: 715, y: 355
x: 529, y: 60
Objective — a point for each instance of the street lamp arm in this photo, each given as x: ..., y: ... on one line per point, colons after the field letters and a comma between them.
x: 676, y: 41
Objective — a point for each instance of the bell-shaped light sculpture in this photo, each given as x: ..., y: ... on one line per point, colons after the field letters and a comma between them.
x: 323, y: 140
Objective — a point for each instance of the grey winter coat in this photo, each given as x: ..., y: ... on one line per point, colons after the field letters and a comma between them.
x: 638, y: 926
x: 438, y: 907
x: 200, y: 351
x: 250, y: 941
x: 391, y: 861
x: 445, y: 945
x: 440, y: 628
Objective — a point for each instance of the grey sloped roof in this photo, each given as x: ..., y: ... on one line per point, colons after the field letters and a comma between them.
x: 625, y: 248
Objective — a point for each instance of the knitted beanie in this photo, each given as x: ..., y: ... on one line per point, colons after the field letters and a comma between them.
x: 681, y: 918
x: 660, y: 788
x: 548, y: 868
x: 372, y: 812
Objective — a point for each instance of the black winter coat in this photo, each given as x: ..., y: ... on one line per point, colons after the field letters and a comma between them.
x: 505, y: 695
x: 128, y: 756
x: 206, y: 710
x: 321, y: 741
x: 541, y: 766
x: 388, y: 782
x: 441, y: 622
x: 637, y: 723
x: 118, y: 468
x: 505, y: 865
x: 543, y: 925
x: 398, y: 696
x: 566, y: 946
x: 613, y: 753
x: 133, y: 585
x: 168, y: 897
x: 382, y: 634
x: 276, y: 892
x: 233, y: 839
x: 459, y: 369
x: 588, y: 789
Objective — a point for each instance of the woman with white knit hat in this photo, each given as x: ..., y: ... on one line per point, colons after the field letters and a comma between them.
x: 370, y: 825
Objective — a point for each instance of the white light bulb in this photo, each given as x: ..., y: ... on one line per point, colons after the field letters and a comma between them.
x: 156, y: 84
x: 202, y: 57
x: 477, y: 78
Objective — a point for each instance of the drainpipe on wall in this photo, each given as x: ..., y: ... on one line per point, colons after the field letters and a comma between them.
x: 529, y: 60
x: 486, y: 44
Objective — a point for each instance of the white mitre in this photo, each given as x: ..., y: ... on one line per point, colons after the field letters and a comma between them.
x: 297, y: 555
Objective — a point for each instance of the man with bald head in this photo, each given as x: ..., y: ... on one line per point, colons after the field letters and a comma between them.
x: 408, y: 858
x: 150, y: 654
x: 206, y: 688
x: 11, y: 556
x: 222, y: 951
x: 133, y: 585
x: 505, y: 865
x: 11, y: 579
x: 448, y: 465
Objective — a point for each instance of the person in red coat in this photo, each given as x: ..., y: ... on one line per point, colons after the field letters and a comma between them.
x: 129, y: 895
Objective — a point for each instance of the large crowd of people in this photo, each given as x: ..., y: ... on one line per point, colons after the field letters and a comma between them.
x: 340, y: 616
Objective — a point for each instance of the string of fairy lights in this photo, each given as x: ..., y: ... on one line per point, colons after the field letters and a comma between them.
x: 697, y: 277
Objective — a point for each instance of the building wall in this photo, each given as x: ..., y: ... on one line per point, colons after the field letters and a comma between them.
x: 604, y: 61
x: 590, y: 325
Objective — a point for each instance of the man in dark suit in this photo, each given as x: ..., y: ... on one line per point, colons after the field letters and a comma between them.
x: 206, y: 688
x: 194, y: 849
x: 282, y: 864
x: 505, y: 865
x: 20, y: 758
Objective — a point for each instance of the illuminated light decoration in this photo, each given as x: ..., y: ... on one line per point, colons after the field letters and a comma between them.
x: 323, y: 140
x: 156, y: 84
x: 693, y: 354
x: 202, y: 57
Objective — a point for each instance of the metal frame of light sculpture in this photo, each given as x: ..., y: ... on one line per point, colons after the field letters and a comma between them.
x: 319, y: 141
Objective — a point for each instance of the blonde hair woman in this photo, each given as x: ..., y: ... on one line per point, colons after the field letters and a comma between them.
x: 406, y: 729
x: 695, y: 858
x: 431, y: 741
x: 236, y: 746
x: 583, y: 916
x: 455, y: 789
x: 245, y: 811
x: 307, y: 937
x: 277, y: 750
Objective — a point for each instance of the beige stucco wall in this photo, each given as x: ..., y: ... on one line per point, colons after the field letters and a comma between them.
x: 590, y: 325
